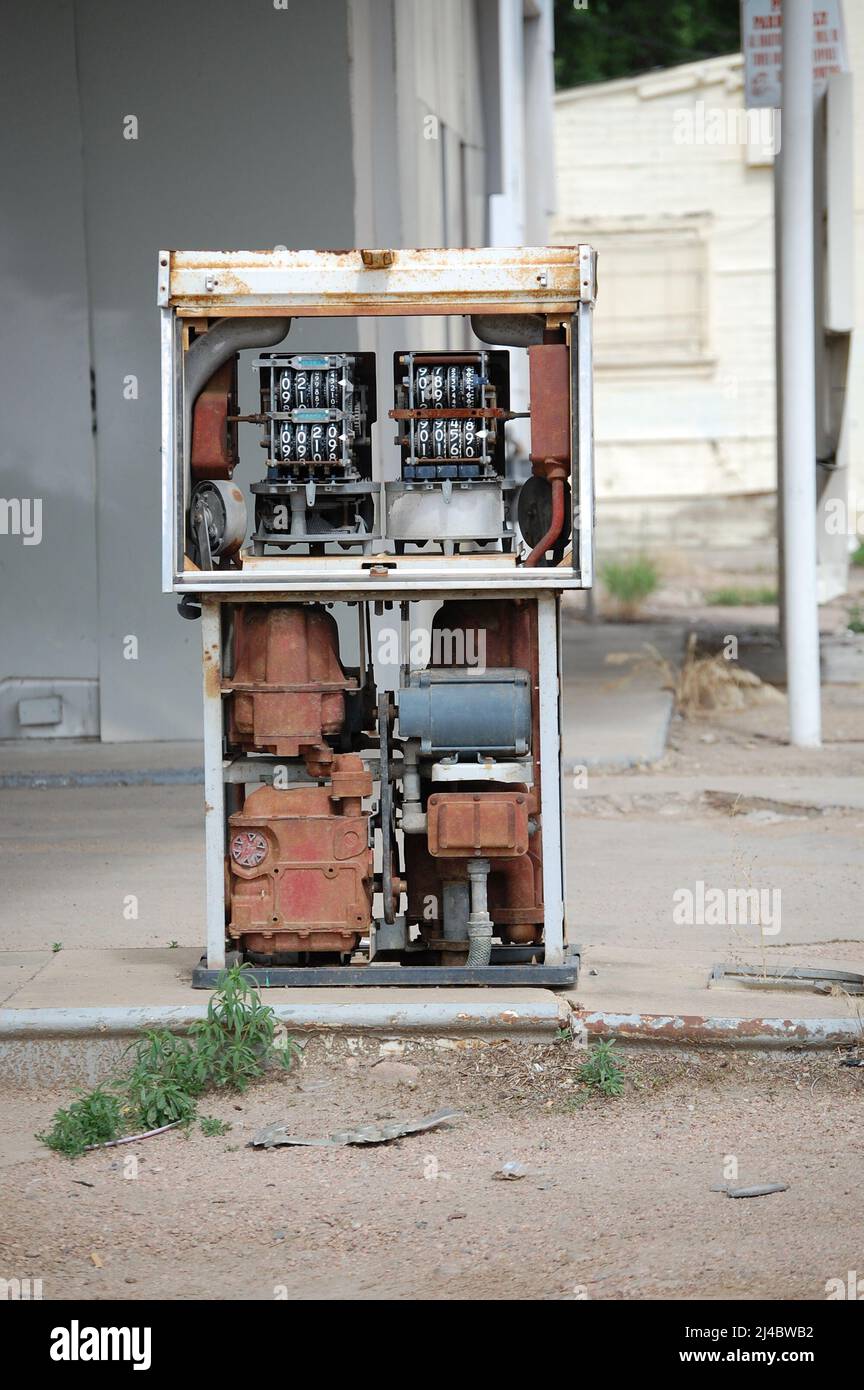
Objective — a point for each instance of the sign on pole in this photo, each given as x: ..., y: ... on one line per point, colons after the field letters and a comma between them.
x: 762, y: 44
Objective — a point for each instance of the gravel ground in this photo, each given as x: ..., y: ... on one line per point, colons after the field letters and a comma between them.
x: 617, y: 1202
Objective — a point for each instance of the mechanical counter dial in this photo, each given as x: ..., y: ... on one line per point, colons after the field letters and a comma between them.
x: 249, y: 848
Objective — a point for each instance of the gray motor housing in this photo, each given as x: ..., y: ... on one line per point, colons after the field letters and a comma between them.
x: 457, y: 710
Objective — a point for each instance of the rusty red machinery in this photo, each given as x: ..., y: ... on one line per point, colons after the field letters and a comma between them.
x: 380, y: 809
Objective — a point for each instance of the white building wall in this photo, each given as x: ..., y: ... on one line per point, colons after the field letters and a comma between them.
x: 640, y: 165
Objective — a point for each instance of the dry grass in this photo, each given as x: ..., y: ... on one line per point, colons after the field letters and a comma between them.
x: 709, y: 683
x: 704, y: 685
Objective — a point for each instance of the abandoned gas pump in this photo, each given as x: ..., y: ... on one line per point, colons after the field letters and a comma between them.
x: 381, y: 633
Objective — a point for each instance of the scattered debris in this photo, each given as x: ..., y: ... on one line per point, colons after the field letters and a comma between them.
x: 509, y: 1172
x: 762, y: 1189
x: 96, y: 1259
x: 852, y: 1062
x: 276, y: 1135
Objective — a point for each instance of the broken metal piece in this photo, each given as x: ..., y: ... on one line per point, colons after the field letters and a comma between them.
x: 789, y: 977
x: 762, y: 1189
x: 275, y: 1136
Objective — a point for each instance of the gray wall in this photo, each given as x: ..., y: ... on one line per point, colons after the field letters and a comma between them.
x: 244, y: 139
x: 48, y: 597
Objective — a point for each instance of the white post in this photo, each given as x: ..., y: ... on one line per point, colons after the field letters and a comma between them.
x: 798, y: 384
x: 550, y: 778
x: 214, y: 786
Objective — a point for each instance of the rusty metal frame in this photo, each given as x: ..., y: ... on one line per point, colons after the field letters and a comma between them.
x: 548, y: 280
x: 558, y: 282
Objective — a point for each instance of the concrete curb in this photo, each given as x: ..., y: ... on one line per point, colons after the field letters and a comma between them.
x: 441, y: 1016
x: 51, y: 1047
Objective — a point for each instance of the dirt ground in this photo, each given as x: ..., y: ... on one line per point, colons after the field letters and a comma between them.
x: 617, y: 1202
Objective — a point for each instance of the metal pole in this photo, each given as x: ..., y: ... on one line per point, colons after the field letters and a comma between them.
x: 798, y: 383
x: 550, y: 778
x: 214, y: 787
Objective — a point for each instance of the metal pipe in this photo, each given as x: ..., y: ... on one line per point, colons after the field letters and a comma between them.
x: 556, y: 525
x: 479, y: 921
x: 798, y: 381
x: 508, y: 330
x: 691, y: 1030
x: 533, y: 1014
x: 207, y: 354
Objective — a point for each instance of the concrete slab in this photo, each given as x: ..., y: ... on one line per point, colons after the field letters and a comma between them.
x: 18, y: 968
x: 822, y: 793
x: 628, y: 980
x: 623, y: 874
x: 102, y: 866
x: 87, y: 762
x: 619, y: 700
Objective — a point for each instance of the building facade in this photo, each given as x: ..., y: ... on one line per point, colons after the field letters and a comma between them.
x: 207, y: 123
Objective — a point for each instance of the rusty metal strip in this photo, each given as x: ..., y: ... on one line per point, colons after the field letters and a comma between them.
x: 685, y: 1030
x: 537, y: 280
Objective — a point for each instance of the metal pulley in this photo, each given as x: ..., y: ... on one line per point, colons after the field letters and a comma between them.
x: 217, y: 521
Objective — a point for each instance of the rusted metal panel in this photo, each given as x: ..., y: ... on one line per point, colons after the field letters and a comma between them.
x: 533, y: 280
x: 468, y: 825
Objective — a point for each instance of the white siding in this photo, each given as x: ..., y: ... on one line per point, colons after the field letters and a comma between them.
x: 704, y: 426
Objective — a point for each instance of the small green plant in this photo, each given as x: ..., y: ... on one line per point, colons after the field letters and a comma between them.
x: 96, y: 1118
x: 604, y: 1070
x: 733, y: 597
x: 630, y: 581
x: 165, y: 1074
x: 238, y: 1038
x: 56, y: 946
x: 855, y: 621
x: 858, y: 555
x: 213, y: 1127
x: 172, y: 945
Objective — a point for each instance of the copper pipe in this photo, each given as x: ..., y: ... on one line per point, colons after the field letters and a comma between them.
x: 556, y: 527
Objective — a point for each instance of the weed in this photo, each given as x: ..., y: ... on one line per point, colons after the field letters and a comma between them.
x: 213, y: 1127
x: 56, y: 946
x: 858, y: 554
x: 604, y: 1070
x: 165, y: 1074
x: 630, y: 581
x: 96, y: 1118
x: 739, y: 598
x: 855, y: 622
